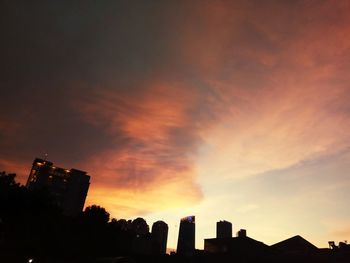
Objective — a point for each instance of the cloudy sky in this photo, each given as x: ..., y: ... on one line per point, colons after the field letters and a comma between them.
x: 235, y: 110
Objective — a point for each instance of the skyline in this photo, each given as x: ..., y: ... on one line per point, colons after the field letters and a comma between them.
x: 227, y: 111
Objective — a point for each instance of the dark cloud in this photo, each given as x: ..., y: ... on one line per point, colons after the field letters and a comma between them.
x: 53, y: 53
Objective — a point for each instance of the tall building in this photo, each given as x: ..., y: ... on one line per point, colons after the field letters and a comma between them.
x: 68, y: 187
x: 159, y: 237
x: 186, y: 241
x: 223, y: 229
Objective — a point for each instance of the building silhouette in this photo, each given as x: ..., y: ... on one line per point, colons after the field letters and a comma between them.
x: 68, y: 187
x: 159, y: 237
x: 141, y: 242
x: 296, y: 245
x: 240, y: 246
x: 223, y: 229
x: 141, y: 245
x: 242, y: 233
x: 186, y: 240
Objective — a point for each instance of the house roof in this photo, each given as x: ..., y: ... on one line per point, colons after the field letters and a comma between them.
x: 296, y: 243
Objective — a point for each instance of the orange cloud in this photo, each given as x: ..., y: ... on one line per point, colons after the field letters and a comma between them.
x: 200, y: 94
x: 150, y: 163
x: 270, y: 100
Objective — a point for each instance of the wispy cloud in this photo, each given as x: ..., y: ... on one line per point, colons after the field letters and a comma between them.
x: 170, y: 105
x: 155, y: 142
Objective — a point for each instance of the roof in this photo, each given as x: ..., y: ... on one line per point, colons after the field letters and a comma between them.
x: 235, y: 245
x: 296, y: 243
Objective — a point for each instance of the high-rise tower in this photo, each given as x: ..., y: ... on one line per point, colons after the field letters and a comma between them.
x: 159, y: 237
x: 186, y: 241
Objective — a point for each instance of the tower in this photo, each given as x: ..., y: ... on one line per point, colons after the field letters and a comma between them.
x: 159, y: 237
x: 186, y: 241
x: 223, y: 229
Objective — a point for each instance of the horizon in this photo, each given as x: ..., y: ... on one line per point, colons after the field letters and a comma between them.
x: 234, y: 111
x: 172, y: 248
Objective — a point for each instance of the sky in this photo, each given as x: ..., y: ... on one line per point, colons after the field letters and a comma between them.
x: 226, y: 110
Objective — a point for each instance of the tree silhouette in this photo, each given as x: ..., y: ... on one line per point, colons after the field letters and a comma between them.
x: 31, y: 224
x: 7, y: 181
x: 140, y: 227
x: 28, y: 219
x: 95, y: 214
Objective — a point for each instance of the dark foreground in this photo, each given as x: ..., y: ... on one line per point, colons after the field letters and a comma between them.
x: 324, y: 255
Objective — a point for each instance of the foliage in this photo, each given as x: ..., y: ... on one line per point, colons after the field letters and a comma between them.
x: 31, y: 224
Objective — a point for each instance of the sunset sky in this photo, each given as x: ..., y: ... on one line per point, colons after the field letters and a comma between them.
x: 226, y: 110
